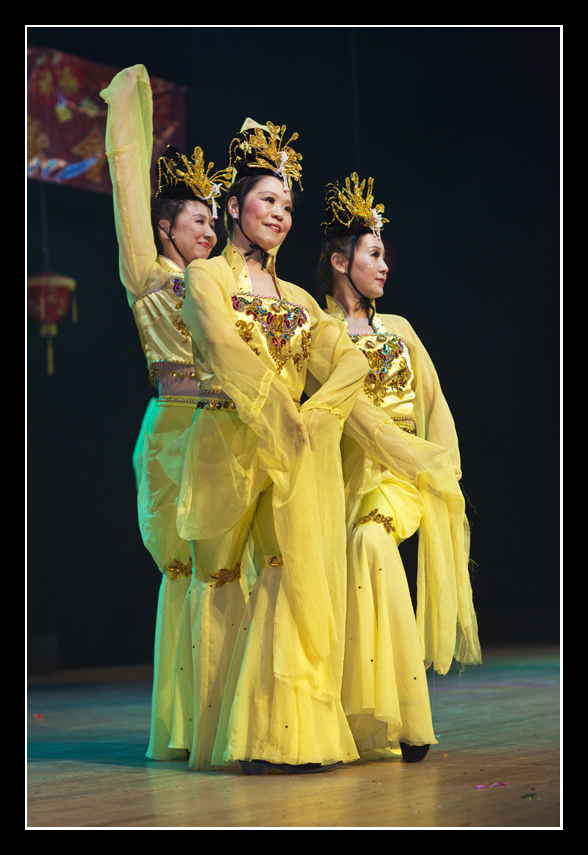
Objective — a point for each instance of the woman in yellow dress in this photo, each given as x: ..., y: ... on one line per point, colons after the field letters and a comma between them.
x: 258, y: 678
x: 401, y: 467
x: 157, y: 240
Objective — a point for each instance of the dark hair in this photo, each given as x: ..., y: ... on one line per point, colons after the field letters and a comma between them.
x: 240, y: 189
x: 165, y: 209
x: 345, y: 244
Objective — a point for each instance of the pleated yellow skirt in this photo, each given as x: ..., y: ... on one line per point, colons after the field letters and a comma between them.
x: 385, y: 692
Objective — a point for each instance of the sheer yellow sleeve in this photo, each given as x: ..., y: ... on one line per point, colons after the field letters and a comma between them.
x: 336, y: 364
x: 263, y: 401
x: 446, y: 618
x: 129, y: 144
x: 433, y: 416
x: 270, y: 435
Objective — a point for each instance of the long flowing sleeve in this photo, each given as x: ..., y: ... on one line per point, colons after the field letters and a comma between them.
x: 337, y: 366
x: 129, y: 144
x: 262, y: 399
x: 446, y: 618
x: 270, y: 436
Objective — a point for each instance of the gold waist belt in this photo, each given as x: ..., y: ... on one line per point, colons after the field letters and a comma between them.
x: 406, y: 424
x: 177, y: 399
x: 216, y: 403
x: 220, y: 401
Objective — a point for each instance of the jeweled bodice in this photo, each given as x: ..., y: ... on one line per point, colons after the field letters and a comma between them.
x: 277, y: 331
x: 390, y: 377
x: 389, y: 382
x: 164, y: 336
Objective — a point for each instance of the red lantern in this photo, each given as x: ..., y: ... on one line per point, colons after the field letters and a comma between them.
x: 48, y: 302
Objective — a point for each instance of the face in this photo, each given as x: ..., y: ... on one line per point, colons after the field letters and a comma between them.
x: 266, y: 217
x: 370, y: 270
x: 194, y: 232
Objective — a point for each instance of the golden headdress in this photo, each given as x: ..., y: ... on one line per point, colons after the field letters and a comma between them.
x: 258, y: 148
x: 348, y: 212
x: 183, y: 178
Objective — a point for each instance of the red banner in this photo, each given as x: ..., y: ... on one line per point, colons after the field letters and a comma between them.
x: 66, y: 119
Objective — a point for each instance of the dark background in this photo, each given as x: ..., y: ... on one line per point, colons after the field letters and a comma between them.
x: 460, y: 128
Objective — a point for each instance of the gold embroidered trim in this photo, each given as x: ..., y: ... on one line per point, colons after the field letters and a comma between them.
x: 305, y: 355
x: 181, y: 327
x: 245, y: 330
x: 227, y: 404
x: 276, y: 561
x: 376, y: 517
x: 155, y: 373
x: 177, y: 570
x: 178, y: 399
x: 216, y: 404
x: 225, y: 576
x: 177, y: 284
x: 406, y: 424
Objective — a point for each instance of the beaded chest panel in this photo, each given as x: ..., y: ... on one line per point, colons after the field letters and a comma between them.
x: 390, y: 371
x: 280, y: 328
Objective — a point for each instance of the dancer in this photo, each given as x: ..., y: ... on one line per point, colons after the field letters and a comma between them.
x: 402, y: 468
x: 157, y: 241
x: 260, y: 684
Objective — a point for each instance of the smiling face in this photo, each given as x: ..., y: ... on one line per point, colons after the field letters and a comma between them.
x: 370, y: 270
x: 266, y: 216
x: 193, y: 231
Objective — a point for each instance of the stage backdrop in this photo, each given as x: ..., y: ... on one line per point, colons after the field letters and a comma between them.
x: 66, y: 119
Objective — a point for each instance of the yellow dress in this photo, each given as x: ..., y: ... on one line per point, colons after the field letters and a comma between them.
x: 155, y: 289
x: 261, y: 679
x: 401, y: 469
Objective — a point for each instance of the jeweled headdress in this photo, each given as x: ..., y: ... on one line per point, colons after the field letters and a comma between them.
x: 347, y: 208
x: 183, y: 178
x: 258, y: 149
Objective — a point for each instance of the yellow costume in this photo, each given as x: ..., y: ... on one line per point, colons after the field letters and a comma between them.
x: 155, y: 289
x: 262, y: 679
x: 401, y: 468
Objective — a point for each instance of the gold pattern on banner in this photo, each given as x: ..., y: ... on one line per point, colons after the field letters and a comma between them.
x: 92, y: 146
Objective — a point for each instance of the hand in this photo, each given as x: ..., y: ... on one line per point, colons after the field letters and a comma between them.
x: 128, y: 80
x: 292, y: 426
x: 316, y: 425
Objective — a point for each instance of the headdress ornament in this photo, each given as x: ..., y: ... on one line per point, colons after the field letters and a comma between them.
x: 258, y: 148
x: 183, y: 178
x: 348, y: 212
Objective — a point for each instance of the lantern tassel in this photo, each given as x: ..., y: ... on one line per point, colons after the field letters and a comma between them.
x: 50, y: 365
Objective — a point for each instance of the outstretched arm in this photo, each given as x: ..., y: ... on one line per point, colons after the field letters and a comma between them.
x: 129, y: 144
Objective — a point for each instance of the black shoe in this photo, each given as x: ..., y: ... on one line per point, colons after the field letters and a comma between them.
x: 307, y: 768
x: 257, y: 767
x: 413, y: 753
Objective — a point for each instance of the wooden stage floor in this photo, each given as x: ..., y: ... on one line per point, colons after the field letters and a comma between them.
x: 498, y: 723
